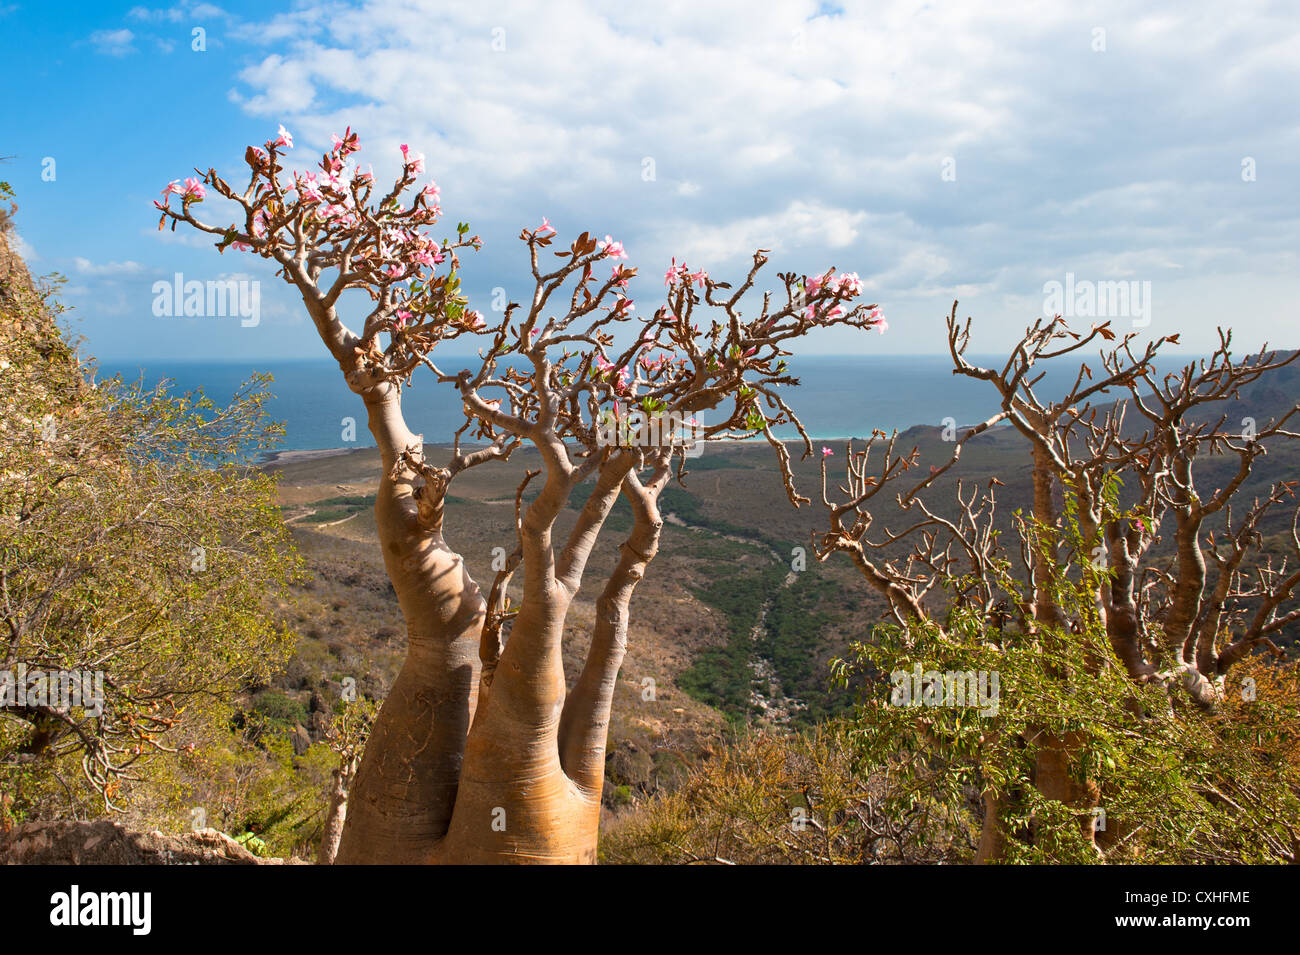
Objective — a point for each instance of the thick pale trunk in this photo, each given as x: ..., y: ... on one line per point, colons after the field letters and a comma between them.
x: 401, y: 802
x: 515, y: 803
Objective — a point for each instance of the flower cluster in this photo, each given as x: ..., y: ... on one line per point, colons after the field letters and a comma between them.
x: 680, y: 274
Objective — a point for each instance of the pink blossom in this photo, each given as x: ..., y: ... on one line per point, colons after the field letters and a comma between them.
x: 414, y: 160
x: 827, y: 452
x: 812, y: 284
x: 674, y: 273
x: 348, y: 144
x: 700, y: 277
x: 403, y: 317
x: 172, y: 188
x: 284, y: 139
x: 194, y: 188
x: 476, y: 320
x: 612, y: 249
x: 546, y: 227
x: 850, y: 283
x: 309, y: 189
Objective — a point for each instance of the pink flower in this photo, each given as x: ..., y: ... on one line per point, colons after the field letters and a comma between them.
x: 348, y: 144
x: 194, y: 188
x: 674, y: 273
x: 612, y: 249
x: 850, y: 283
x: 476, y: 320
x: 309, y: 189
x: 812, y: 284
x: 881, y: 325
x: 403, y: 317
x: 283, y: 139
x: 414, y: 160
x: 546, y: 227
x: 827, y: 452
x: 172, y: 188
x: 431, y: 192
x: 700, y: 277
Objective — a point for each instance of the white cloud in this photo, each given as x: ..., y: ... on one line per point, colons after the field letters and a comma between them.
x: 113, y: 42
x: 86, y: 267
x: 24, y: 250
x: 823, y: 137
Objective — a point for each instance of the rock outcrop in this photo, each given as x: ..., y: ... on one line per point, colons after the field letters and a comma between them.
x: 101, y: 842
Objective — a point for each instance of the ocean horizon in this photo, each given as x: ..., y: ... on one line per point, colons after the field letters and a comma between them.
x: 839, y: 397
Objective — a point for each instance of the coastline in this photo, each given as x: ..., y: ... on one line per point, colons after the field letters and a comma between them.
x: 308, y: 454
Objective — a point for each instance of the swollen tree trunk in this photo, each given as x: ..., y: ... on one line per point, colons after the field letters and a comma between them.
x: 534, y: 764
x: 401, y: 802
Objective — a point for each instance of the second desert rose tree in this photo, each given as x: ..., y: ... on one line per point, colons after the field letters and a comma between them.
x: 479, y: 753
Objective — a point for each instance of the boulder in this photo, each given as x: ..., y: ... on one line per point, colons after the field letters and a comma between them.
x: 102, y: 842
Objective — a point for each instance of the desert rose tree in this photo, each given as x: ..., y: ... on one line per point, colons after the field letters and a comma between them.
x: 1114, y: 465
x: 479, y: 754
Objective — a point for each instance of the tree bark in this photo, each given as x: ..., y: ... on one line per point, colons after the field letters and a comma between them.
x: 402, y: 800
x: 335, y: 814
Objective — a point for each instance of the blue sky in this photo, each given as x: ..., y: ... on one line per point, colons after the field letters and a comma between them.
x: 968, y: 150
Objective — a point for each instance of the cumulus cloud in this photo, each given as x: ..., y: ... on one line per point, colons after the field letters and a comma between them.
x: 975, y: 150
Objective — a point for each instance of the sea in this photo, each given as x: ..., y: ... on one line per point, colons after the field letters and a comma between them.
x: 838, y: 396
